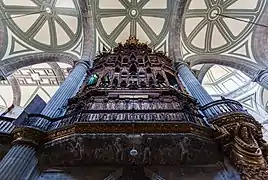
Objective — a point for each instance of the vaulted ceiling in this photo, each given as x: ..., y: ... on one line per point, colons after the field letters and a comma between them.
x: 218, y: 26
x: 61, y: 30
x: 222, y: 31
x: 116, y: 20
x: 34, y: 26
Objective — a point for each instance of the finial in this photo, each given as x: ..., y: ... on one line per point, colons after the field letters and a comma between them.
x: 132, y: 40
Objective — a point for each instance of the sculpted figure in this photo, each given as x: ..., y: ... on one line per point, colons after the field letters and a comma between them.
x: 244, y: 137
x: 77, y: 148
x: 119, y: 154
x: 147, y: 152
x: 183, y: 144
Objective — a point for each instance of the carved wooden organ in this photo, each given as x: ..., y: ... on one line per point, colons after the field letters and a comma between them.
x: 133, y: 83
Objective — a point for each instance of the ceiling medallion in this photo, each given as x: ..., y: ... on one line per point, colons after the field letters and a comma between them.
x: 133, y: 12
x: 48, y: 10
x: 214, y: 12
x: 148, y: 20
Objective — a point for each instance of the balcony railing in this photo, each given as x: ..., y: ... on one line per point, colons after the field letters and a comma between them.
x: 6, y: 125
x: 221, y: 107
x: 116, y: 116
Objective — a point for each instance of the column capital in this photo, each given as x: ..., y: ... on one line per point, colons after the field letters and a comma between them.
x: 260, y: 75
x: 2, y: 75
x: 87, y: 64
x: 27, y: 135
x: 178, y: 64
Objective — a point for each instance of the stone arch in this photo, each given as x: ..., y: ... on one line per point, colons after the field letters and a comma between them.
x: 248, y: 68
x: 254, y: 71
x: 2, y: 36
x: 57, y: 71
x: 88, y: 28
x: 10, y: 65
x: 16, y: 89
x: 203, y: 71
x: 175, y: 29
x: 260, y: 40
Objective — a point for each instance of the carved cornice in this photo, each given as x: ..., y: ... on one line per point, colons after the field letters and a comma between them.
x: 27, y: 135
x: 231, y: 119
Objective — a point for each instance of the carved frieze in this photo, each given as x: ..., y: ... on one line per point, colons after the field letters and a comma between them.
x: 121, y: 149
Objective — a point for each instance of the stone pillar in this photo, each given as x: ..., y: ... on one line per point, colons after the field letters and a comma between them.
x: 56, y: 105
x: 192, y: 85
x: 20, y: 160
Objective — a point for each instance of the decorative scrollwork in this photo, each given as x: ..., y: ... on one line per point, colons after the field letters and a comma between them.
x: 241, y: 142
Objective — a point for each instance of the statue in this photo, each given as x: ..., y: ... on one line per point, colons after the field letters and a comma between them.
x: 244, y: 151
x: 244, y: 138
x: 183, y: 144
x: 119, y: 150
x: 77, y: 148
x: 147, y: 152
x: 105, y: 80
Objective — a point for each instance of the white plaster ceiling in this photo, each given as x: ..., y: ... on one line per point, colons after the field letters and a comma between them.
x: 42, y: 79
x: 6, y: 96
x: 221, y: 80
x: 205, y: 31
x: 41, y: 26
x: 220, y: 27
x: 116, y: 20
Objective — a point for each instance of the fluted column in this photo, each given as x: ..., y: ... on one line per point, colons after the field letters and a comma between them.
x: 16, y: 162
x: 20, y: 160
x: 55, y: 106
x: 192, y: 85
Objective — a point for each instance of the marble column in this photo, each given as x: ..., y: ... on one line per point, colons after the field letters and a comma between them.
x: 16, y: 162
x: 21, y: 159
x: 56, y: 105
x: 196, y: 90
x: 192, y: 85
